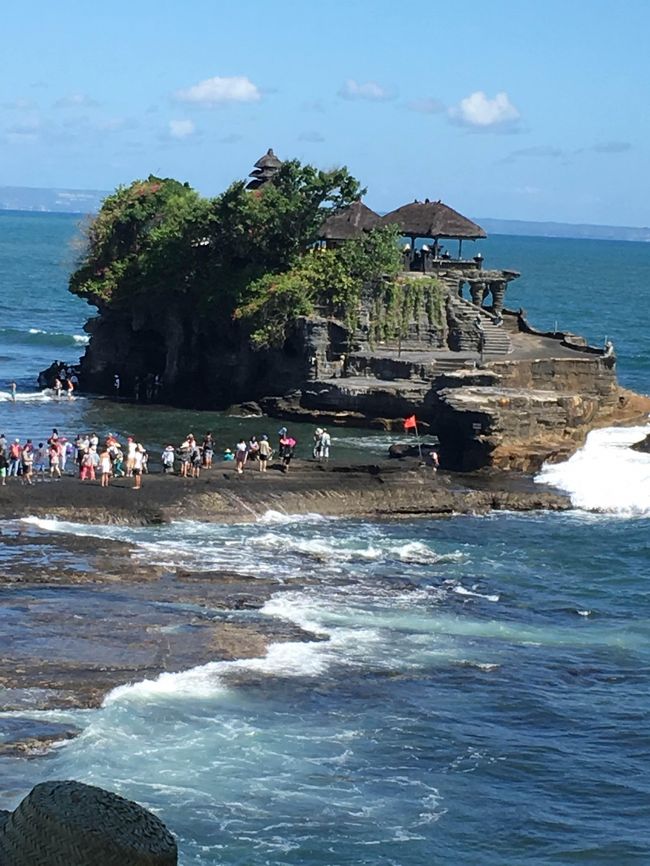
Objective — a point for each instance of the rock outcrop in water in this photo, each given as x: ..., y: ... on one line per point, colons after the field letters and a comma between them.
x: 195, y: 316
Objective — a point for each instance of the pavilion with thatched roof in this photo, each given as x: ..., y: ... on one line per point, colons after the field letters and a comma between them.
x: 432, y: 220
x: 347, y: 223
x: 265, y: 169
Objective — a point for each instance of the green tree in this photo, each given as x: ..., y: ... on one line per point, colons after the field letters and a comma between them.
x: 331, y: 281
x: 142, y: 239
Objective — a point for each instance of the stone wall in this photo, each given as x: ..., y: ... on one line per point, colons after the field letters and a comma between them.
x: 585, y: 374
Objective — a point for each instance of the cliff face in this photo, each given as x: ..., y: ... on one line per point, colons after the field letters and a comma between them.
x: 195, y: 361
x: 508, y: 411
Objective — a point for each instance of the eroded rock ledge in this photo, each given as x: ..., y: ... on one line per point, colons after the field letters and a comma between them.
x: 381, y: 490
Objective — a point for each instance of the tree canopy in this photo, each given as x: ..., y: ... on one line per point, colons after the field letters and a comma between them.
x: 243, y: 255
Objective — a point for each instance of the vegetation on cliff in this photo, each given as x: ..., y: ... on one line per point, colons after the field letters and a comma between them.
x: 245, y: 256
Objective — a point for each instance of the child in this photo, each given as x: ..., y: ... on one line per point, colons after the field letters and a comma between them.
x: 168, y: 456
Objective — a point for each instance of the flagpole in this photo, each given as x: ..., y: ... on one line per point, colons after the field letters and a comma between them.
x: 419, y: 443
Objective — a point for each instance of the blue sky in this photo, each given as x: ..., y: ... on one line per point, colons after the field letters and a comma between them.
x: 509, y: 109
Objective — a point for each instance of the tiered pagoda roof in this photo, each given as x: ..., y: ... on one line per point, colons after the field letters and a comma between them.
x: 265, y: 169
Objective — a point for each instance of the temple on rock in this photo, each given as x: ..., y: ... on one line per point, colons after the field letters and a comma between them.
x: 264, y: 170
x: 436, y: 340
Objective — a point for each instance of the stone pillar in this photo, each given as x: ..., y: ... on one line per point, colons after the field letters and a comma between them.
x: 461, y: 283
x: 498, y: 289
x: 477, y: 291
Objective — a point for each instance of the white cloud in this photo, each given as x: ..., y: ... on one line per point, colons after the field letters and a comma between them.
x: 612, y: 147
x: 76, y: 100
x: 482, y: 113
x: 429, y: 105
x: 181, y: 128
x: 217, y: 91
x: 115, y: 124
x: 367, y: 90
x: 528, y: 190
x: 29, y: 129
x: 312, y: 136
x: 19, y: 105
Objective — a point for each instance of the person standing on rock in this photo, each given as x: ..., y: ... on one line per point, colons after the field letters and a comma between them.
x: 325, y: 442
x: 168, y: 456
x: 264, y: 453
x: 317, y: 450
x: 28, y: 462
x: 196, y: 459
x: 105, y: 467
x: 241, y: 453
x: 131, y: 447
x: 63, y: 453
x: 184, y: 454
x: 208, y: 450
x: 87, y: 465
x: 138, y: 461
x: 15, y: 463
x: 287, y: 449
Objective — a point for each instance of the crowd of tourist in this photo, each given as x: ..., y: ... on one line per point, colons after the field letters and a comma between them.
x: 92, y: 458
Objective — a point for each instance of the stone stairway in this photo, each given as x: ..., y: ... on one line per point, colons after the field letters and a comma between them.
x: 496, y: 339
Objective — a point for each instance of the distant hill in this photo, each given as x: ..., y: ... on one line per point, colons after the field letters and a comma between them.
x: 61, y: 200
x: 564, y: 230
x: 50, y: 200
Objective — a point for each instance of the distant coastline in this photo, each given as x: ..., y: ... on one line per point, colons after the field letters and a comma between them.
x: 573, y: 231
x: 22, y: 199
x: 54, y: 200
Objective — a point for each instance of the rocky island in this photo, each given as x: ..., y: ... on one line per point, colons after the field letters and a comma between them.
x: 289, y: 292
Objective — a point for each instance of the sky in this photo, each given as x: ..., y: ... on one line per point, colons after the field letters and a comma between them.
x: 510, y: 109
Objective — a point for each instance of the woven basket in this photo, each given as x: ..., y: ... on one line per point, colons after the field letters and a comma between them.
x: 71, y: 824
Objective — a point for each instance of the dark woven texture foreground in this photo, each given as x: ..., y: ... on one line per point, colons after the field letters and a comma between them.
x: 71, y: 824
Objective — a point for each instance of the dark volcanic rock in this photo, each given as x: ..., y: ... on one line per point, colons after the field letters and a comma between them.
x: 400, y: 450
x: 246, y: 409
x: 643, y: 445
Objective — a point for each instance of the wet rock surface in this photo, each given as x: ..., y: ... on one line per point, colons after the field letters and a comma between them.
x: 643, y: 446
x: 383, y: 489
x: 83, y: 615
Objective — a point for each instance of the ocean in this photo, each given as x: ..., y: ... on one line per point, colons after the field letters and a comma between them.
x: 479, y: 690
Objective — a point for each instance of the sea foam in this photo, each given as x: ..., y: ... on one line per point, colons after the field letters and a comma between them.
x: 606, y: 475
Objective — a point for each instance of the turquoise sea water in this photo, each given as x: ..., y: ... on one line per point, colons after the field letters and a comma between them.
x: 482, y: 693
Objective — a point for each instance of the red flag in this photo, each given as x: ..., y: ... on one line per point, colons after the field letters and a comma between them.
x: 410, y: 422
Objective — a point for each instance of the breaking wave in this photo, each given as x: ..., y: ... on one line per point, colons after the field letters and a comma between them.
x: 606, y: 475
x: 40, y: 337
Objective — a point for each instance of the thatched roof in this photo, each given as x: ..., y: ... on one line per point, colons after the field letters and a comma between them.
x: 269, y: 160
x: 432, y: 219
x: 348, y: 223
x: 265, y: 170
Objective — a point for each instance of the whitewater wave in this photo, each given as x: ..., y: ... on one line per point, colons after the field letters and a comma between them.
x: 262, y: 553
x: 46, y: 396
x: 378, y: 442
x: 606, y: 475
x: 330, y: 550
x: 461, y: 590
x: 39, y: 336
x: 272, y: 518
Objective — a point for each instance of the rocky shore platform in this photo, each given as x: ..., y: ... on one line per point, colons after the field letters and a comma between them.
x: 84, y: 615
x: 381, y: 489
